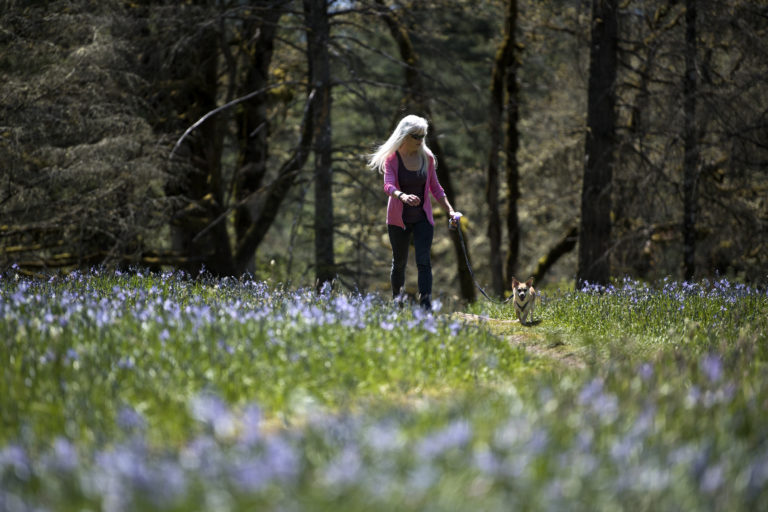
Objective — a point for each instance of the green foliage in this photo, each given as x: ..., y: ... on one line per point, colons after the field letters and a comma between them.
x: 154, y: 341
x: 81, y: 166
x: 163, y: 392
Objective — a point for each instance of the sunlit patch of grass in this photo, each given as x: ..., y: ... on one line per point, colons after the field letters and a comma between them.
x: 640, y: 319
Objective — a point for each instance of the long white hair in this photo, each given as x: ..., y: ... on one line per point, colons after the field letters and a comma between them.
x: 407, y: 125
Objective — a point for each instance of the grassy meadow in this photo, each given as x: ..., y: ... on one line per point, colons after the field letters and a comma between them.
x: 149, y: 391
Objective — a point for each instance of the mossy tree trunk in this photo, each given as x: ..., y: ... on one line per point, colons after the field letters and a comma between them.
x: 595, y: 229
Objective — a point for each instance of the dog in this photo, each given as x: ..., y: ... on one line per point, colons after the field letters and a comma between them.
x: 525, y: 299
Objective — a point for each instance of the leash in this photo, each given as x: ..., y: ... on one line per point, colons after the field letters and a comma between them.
x: 455, y: 223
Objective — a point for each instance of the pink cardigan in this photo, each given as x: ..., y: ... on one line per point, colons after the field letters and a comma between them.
x: 394, y: 205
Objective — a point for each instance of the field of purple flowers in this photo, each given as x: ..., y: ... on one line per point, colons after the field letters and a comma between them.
x: 141, y: 391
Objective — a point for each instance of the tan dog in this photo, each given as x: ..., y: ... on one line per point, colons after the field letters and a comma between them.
x: 525, y: 299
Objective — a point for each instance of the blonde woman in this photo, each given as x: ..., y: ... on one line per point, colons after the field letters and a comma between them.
x: 409, y: 173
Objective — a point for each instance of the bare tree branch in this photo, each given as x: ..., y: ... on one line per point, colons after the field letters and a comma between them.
x: 224, y: 107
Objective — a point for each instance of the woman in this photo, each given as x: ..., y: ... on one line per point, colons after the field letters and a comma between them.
x: 409, y: 176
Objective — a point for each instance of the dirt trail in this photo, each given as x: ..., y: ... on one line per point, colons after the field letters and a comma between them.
x: 536, y: 345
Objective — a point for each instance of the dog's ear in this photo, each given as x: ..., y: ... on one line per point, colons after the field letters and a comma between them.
x: 529, y: 282
x: 515, y: 282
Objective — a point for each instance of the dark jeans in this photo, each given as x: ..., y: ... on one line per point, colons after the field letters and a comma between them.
x: 400, y: 239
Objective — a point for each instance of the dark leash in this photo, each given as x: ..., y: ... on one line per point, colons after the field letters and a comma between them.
x: 455, y: 224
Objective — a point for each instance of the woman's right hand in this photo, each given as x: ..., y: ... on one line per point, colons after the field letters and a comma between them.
x: 410, y: 199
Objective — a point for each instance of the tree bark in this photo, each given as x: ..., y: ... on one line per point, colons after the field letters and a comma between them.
x: 252, y: 119
x: 502, y: 62
x: 318, y: 40
x: 560, y: 249
x: 690, y: 159
x: 201, y: 184
x: 273, y: 196
x: 595, y: 229
x: 512, y: 144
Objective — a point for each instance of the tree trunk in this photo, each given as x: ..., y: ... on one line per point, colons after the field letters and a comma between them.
x: 416, y: 101
x: 502, y: 61
x: 560, y: 249
x: 252, y: 120
x: 595, y: 229
x: 512, y: 144
x: 204, y: 224
x: 272, y: 196
x: 318, y: 40
x: 691, y: 160
x: 201, y: 185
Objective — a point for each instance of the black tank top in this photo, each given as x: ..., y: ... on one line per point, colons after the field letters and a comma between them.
x: 412, y: 182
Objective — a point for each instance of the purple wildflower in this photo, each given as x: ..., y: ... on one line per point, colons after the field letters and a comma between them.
x: 127, y: 363
x: 129, y: 419
x: 281, y: 458
x: 384, y: 437
x: 605, y: 405
x: 345, y: 468
x: 712, y: 366
x: 214, y: 412
x: 646, y: 371
x: 250, y: 425
x: 455, y: 435
x: 712, y: 479
x: 63, y: 456
x: 15, y: 458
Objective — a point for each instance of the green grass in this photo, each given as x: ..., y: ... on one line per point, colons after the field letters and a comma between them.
x: 81, y: 349
x: 639, y: 320
x: 161, y: 392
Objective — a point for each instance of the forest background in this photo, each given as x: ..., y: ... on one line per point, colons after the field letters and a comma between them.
x: 581, y: 139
